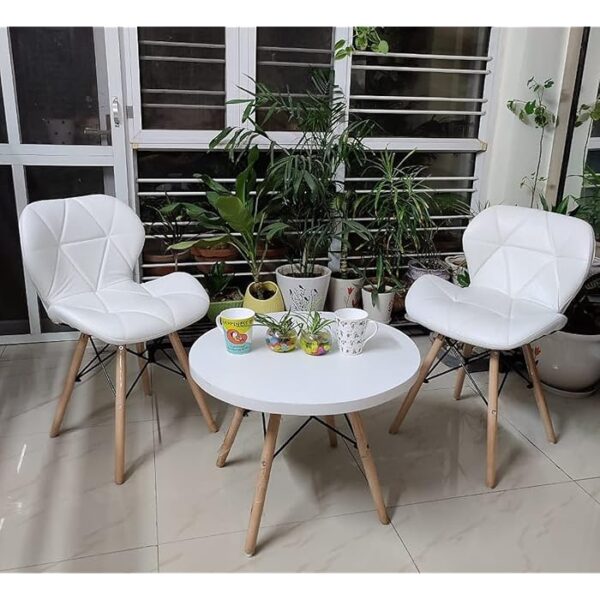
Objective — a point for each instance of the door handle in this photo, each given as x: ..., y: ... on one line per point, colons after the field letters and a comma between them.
x: 116, y: 112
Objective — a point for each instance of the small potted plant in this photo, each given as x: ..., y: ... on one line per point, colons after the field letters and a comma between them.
x: 220, y: 291
x: 315, y: 335
x: 282, y: 333
x: 166, y: 232
x: 379, y: 291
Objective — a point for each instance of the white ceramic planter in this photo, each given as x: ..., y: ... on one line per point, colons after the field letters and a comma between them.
x: 382, y: 311
x: 344, y: 293
x: 303, y: 293
x: 569, y: 362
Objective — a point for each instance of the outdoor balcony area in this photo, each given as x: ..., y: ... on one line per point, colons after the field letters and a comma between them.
x: 299, y: 299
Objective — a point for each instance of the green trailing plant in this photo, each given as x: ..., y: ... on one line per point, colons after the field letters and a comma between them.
x: 241, y: 219
x: 218, y: 283
x: 536, y: 113
x: 305, y: 178
x: 364, y: 38
x: 285, y: 327
x: 312, y: 323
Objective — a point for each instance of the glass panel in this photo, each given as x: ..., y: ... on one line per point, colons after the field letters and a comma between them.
x: 422, y: 85
x: 593, y: 160
x: 13, y: 301
x: 3, y: 133
x: 285, y: 60
x: 57, y: 87
x: 47, y: 183
x: 182, y: 75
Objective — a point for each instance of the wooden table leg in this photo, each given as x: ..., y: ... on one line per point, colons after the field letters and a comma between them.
x: 416, y: 386
x: 238, y: 415
x: 369, y: 465
x: 266, y: 461
x: 146, y: 382
x: 63, y: 401
x: 460, y: 376
x: 121, y: 393
x: 492, y: 418
x: 330, y: 420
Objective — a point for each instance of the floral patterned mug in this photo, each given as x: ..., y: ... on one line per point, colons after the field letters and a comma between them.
x: 352, y: 325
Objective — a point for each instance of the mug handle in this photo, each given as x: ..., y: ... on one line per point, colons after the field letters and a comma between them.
x: 374, y: 331
x: 218, y: 323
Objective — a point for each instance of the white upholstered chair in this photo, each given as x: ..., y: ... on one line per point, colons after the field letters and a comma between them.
x: 81, y: 253
x: 525, y: 266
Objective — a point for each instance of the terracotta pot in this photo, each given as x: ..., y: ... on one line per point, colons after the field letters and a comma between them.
x: 270, y: 305
x: 210, y: 256
x: 303, y: 293
x: 152, y: 254
x: 344, y: 293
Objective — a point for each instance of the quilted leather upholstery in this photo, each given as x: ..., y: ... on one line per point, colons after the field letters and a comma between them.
x: 81, y: 253
x: 525, y: 265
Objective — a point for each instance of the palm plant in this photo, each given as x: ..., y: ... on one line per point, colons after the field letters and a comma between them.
x: 305, y: 178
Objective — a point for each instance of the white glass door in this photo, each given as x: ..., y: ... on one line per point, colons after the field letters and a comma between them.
x: 62, y: 133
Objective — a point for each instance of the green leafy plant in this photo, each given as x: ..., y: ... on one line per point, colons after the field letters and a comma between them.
x: 240, y: 218
x: 168, y: 229
x: 218, y: 283
x: 284, y: 327
x: 364, y: 38
x: 312, y: 323
x: 305, y: 178
x: 535, y: 112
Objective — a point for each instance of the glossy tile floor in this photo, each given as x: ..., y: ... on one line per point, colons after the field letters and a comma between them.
x: 60, y: 511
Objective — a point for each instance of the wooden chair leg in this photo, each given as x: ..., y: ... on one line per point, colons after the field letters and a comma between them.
x: 492, y: 418
x: 416, y: 386
x: 238, y: 415
x: 182, y: 357
x: 369, y: 465
x: 146, y: 381
x: 266, y: 461
x: 460, y: 375
x: 330, y: 420
x: 63, y: 401
x: 120, y: 398
x: 539, y: 393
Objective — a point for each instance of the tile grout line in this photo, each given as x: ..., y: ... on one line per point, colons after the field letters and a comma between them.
x: 154, y: 403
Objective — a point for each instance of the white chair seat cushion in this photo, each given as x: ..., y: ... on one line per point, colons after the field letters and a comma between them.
x: 478, y: 315
x: 128, y: 312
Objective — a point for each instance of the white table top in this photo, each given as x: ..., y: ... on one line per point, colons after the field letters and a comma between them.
x: 297, y: 384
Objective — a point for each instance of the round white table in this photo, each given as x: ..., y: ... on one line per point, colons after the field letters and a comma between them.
x: 297, y: 384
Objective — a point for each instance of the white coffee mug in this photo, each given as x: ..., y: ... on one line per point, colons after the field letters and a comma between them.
x: 352, y: 325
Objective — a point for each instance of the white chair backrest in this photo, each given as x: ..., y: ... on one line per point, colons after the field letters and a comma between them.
x: 77, y: 245
x: 529, y: 254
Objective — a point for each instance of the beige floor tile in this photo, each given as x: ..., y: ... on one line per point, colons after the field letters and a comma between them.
x: 140, y: 560
x: 592, y: 486
x: 195, y: 498
x: 58, y: 500
x: 440, y: 450
x: 576, y: 421
x: 554, y: 528
x: 350, y: 543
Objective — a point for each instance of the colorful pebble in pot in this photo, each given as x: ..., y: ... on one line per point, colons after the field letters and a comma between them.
x: 280, y: 344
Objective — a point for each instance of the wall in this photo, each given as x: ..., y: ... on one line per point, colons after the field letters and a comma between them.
x: 513, y: 146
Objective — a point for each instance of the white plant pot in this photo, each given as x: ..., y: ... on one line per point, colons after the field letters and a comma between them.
x: 382, y: 311
x: 344, y: 293
x: 569, y: 362
x: 303, y: 293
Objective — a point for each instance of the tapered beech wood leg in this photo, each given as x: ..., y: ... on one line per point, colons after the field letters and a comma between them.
x: 146, y: 383
x: 492, y: 418
x: 121, y: 393
x: 266, y: 461
x: 182, y: 357
x: 330, y: 420
x: 539, y: 393
x: 460, y: 375
x: 238, y: 415
x: 416, y: 386
x: 63, y: 401
x: 369, y: 465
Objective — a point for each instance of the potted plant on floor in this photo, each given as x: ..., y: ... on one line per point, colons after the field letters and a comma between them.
x: 220, y: 291
x: 569, y: 360
x: 304, y: 177
x: 243, y: 224
x: 166, y: 232
x: 379, y: 290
